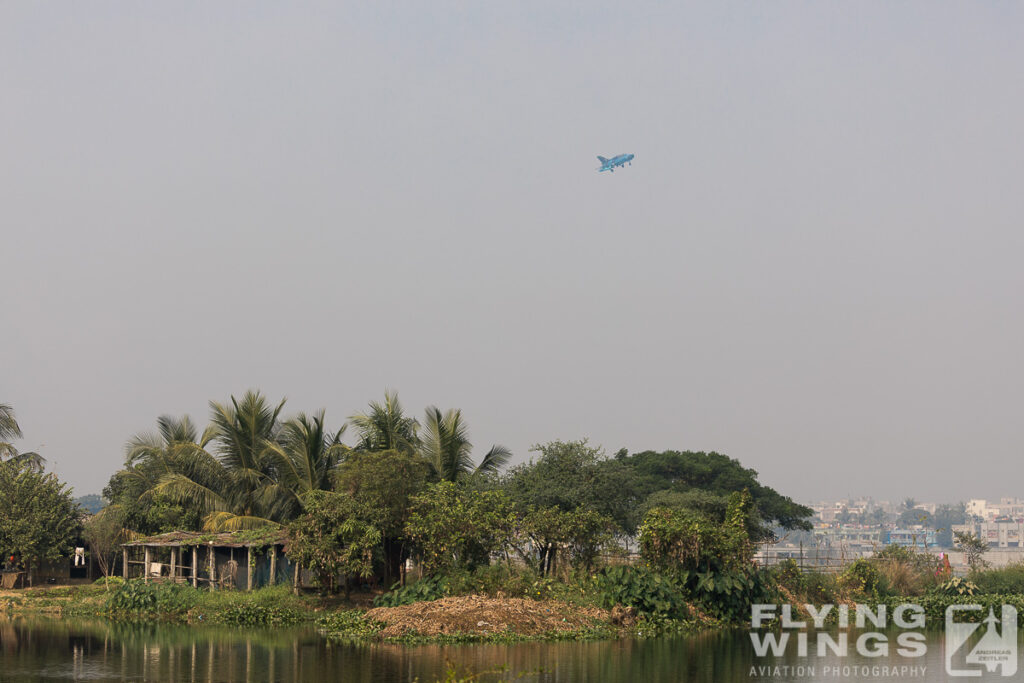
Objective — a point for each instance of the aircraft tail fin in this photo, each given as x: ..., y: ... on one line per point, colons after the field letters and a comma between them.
x: 602, y: 159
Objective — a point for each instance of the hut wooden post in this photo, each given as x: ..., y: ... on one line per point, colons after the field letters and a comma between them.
x: 213, y: 564
x: 195, y: 566
x: 124, y: 562
x: 174, y: 557
x: 273, y: 565
x: 295, y: 584
x: 250, y: 571
x: 145, y: 565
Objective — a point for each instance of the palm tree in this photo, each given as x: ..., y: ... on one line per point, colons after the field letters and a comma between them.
x: 9, y: 430
x: 236, y: 485
x: 385, y: 427
x: 307, y: 455
x: 149, y: 457
x: 445, y: 445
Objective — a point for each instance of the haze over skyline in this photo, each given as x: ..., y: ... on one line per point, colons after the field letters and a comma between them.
x: 813, y: 264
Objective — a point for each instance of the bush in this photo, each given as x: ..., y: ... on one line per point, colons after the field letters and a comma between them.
x: 864, y: 578
x: 649, y: 593
x: 907, y: 571
x: 1009, y: 579
x: 820, y: 588
x: 955, y: 587
x: 111, y: 581
x: 140, y: 598
x: 426, y: 589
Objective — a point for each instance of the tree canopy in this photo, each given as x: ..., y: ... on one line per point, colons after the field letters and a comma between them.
x: 38, y: 517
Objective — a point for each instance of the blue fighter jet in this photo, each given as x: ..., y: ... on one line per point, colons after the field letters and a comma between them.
x: 610, y: 164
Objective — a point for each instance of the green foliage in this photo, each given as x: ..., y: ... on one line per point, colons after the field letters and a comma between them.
x: 647, y: 592
x: 331, y: 538
x: 1008, y: 579
x: 572, y: 474
x: 252, y: 614
x: 385, y: 427
x: 139, y: 598
x: 348, y: 625
x: 864, y: 578
x: 136, y: 599
x: 973, y: 547
x: 935, y: 604
x: 426, y: 589
x: 906, y: 570
x: 674, y: 539
x: 453, y: 527
x: 820, y: 588
x: 956, y: 586
x: 38, y: 518
x: 104, y: 532
x: 383, y: 483
x: 581, y: 532
x: 111, y: 581
x: 445, y: 444
x: 717, y: 475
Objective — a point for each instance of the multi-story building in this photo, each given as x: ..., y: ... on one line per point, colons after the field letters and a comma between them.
x: 1012, y: 508
x: 1000, y: 533
x: 916, y: 536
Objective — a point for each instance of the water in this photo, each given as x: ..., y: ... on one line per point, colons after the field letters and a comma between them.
x: 57, y: 650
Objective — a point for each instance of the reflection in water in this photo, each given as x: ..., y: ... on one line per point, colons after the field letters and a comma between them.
x: 97, y: 650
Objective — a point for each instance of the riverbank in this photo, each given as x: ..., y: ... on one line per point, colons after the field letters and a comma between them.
x: 459, y: 618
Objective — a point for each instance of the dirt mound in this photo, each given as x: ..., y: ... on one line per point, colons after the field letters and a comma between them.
x: 482, y: 615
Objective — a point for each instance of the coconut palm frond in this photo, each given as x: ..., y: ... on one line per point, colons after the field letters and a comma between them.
x: 494, y: 460
x: 181, y: 489
x: 9, y: 428
x: 385, y: 426
x: 227, y: 521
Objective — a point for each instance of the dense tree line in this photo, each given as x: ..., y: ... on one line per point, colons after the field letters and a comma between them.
x: 39, y: 520
x: 412, y: 488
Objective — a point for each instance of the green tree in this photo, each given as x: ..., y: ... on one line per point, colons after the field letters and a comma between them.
x: 580, y: 533
x: 148, y: 457
x: 677, y: 539
x: 104, y: 533
x: 383, y: 485
x: 39, y: 520
x: 454, y: 527
x: 307, y: 457
x: 236, y: 485
x: 332, y: 537
x: 385, y: 427
x: 445, y: 445
x: 572, y: 474
x: 914, y: 516
x: 718, y: 474
x: 973, y: 548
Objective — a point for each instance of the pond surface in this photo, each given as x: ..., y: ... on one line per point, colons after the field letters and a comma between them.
x: 56, y: 650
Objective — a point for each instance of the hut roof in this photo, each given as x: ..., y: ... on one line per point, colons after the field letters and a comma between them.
x: 229, y: 539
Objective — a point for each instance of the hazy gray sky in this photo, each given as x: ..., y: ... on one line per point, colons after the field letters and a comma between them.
x: 813, y: 265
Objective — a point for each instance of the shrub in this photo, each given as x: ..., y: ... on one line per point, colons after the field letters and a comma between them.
x: 424, y: 590
x: 138, y: 597
x: 955, y: 586
x: 864, y: 578
x: 820, y: 588
x: 649, y: 593
x: 1009, y: 579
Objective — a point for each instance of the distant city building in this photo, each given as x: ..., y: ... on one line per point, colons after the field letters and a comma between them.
x: 1003, y: 533
x: 987, y: 510
x: 917, y: 537
x: 851, y: 537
